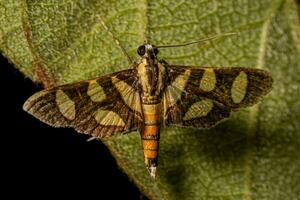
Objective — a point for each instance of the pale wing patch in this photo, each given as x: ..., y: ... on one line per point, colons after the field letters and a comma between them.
x: 95, y: 92
x: 181, y: 81
x: 174, y: 91
x: 168, y: 99
x: 239, y: 87
x: 105, y: 117
x: 171, y: 95
x: 129, y: 95
x: 199, y: 109
x: 65, y: 105
x: 208, y: 80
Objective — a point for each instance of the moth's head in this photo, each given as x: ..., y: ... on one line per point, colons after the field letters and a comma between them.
x: 147, y: 51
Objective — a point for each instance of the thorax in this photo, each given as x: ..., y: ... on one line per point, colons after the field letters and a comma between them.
x: 151, y: 75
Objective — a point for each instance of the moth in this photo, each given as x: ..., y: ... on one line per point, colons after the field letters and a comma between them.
x: 149, y: 96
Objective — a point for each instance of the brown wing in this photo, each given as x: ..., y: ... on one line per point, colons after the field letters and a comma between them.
x: 100, y: 107
x: 202, y: 97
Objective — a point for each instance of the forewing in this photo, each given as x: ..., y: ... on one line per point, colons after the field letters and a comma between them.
x: 202, y: 97
x: 100, y: 107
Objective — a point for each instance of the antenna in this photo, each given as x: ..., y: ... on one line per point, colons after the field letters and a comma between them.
x: 199, y: 41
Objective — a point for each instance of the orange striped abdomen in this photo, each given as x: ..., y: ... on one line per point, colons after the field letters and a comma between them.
x: 150, y: 134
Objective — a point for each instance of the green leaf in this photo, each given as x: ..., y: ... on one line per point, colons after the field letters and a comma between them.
x: 254, y: 155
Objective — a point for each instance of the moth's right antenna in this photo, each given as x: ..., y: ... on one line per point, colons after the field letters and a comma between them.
x: 199, y: 41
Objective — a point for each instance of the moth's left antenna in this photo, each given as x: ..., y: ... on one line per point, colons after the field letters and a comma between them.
x: 116, y: 40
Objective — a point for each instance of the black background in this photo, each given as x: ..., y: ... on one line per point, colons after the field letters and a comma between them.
x: 41, y: 161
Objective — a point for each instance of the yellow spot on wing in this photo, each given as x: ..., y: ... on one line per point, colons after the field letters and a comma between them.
x: 129, y: 95
x: 65, y: 105
x: 208, y: 80
x: 239, y: 87
x: 181, y: 81
x: 199, y: 109
x: 174, y: 91
x: 105, y: 117
x: 95, y: 92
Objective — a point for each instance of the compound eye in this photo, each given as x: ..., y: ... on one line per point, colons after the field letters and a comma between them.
x: 141, y: 50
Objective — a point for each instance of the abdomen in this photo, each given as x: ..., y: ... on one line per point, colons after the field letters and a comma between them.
x: 150, y: 134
